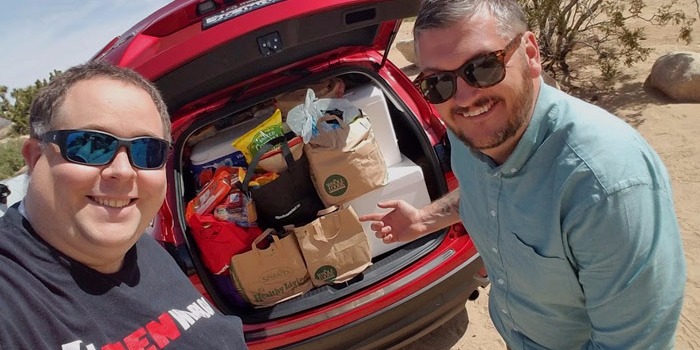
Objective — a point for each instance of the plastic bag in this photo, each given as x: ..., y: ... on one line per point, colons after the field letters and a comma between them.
x: 303, y: 119
x: 252, y: 140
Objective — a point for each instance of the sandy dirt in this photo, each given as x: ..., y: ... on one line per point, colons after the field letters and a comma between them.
x: 673, y: 129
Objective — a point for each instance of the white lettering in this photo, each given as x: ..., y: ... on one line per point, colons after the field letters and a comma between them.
x: 206, y: 307
x: 195, y: 311
x: 198, y: 309
x: 76, y: 346
x: 183, y: 318
x: 290, y: 212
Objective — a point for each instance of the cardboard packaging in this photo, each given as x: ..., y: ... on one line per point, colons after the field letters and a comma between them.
x: 405, y: 181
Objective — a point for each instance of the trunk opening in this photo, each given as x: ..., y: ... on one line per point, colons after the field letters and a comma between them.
x: 415, y: 153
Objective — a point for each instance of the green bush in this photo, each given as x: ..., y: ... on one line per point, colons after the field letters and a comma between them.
x: 11, y: 159
x: 613, y: 30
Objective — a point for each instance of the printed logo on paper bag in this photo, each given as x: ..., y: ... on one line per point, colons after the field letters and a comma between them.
x: 326, y: 273
x: 275, y: 292
x: 273, y: 276
x: 336, y: 185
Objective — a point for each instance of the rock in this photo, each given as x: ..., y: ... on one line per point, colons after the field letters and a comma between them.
x: 5, y: 128
x: 677, y: 74
x: 5, y: 131
x: 406, y: 49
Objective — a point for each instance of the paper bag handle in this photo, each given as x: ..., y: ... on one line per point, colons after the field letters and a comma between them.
x: 267, y: 232
x: 320, y: 236
x: 326, y: 211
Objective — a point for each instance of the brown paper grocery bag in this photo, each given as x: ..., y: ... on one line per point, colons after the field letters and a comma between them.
x: 334, y: 247
x: 345, y: 162
x: 265, y: 277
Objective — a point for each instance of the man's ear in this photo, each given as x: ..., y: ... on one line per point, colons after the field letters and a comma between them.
x: 31, y: 151
x: 532, y: 50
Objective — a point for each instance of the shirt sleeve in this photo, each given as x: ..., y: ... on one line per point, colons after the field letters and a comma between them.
x: 628, y: 252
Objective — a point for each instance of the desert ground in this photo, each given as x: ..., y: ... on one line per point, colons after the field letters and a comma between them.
x: 673, y: 129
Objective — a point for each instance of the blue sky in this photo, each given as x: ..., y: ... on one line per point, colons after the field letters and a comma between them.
x: 38, y: 36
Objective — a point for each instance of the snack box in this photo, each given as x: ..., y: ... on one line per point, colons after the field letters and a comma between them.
x: 371, y: 101
x: 405, y: 181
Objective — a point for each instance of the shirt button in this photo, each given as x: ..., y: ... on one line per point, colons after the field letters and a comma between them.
x: 493, y: 213
x: 504, y: 311
x: 501, y: 281
x: 494, y: 250
x: 513, y: 171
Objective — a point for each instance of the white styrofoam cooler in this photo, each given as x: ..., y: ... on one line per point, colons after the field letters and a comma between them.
x: 217, y: 150
x: 372, y: 102
x: 405, y: 182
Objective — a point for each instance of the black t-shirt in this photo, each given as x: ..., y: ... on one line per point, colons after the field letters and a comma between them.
x: 50, y: 301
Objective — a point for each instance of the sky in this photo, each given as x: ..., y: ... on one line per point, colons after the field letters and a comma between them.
x: 38, y: 36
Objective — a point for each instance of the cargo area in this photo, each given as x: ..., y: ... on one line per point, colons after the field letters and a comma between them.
x: 413, y: 169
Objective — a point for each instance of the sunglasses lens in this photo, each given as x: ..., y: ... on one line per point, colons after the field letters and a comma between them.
x: 485, y: 71
x: 149, y: 152
x: 96, y: 148
x: 91, y: 148
x: 438, y: 88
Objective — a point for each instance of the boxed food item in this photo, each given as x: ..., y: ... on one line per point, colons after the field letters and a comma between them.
x: 405, y: 181
x: 371, y: 101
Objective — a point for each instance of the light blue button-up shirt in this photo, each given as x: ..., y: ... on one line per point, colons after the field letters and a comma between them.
x: 578, y: 232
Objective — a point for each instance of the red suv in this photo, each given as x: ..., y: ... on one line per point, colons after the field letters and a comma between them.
x: 219, y: 63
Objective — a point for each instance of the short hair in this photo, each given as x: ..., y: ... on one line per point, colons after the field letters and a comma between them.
x: 435, y: 14
x: 49, y: 100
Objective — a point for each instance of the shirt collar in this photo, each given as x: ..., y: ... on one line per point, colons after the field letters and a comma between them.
x: 21, y: 209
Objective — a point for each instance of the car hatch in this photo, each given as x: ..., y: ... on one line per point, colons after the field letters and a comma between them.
x: 190, y: 54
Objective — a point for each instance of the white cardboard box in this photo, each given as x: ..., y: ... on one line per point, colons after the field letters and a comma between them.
x: 405, y: 182
x: 370, y: 100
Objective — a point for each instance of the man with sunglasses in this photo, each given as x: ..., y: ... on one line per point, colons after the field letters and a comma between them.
x: 570, y: 208
x: 77, y: 271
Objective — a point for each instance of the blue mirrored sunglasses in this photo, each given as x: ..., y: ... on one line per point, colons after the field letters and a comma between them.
x: 91, y: 147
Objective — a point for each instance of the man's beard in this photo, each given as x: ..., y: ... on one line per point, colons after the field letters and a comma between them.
x: 522, y: 104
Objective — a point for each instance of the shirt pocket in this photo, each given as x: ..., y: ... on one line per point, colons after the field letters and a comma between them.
x: 539, y: 280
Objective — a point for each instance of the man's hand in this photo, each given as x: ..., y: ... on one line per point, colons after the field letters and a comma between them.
x: 403, y: 223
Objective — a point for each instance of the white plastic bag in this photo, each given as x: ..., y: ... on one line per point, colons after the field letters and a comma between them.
x: 303, y: 119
